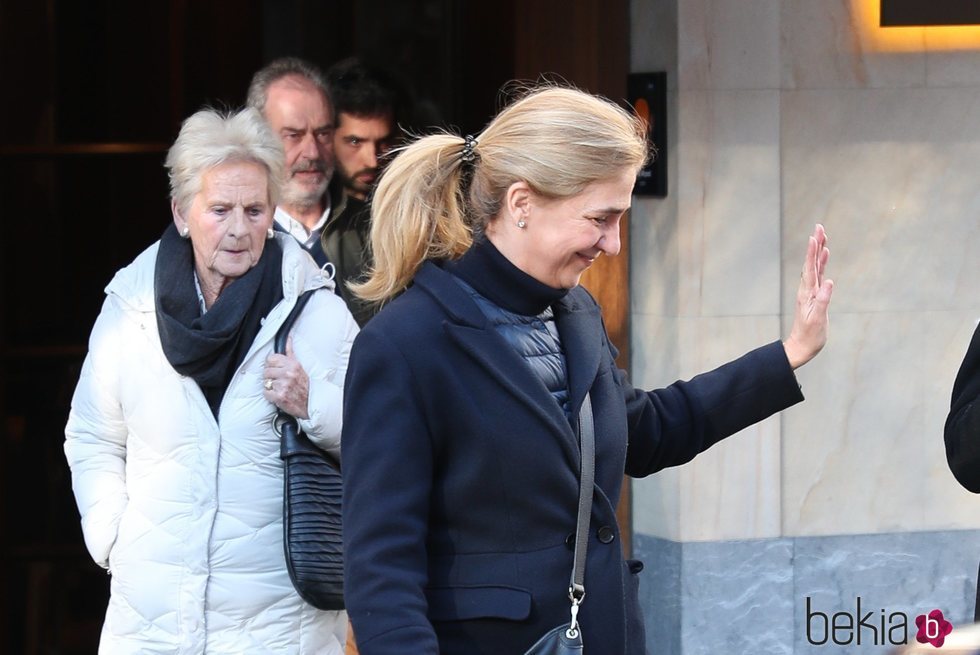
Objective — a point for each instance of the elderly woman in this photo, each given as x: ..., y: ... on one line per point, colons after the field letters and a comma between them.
x: 175, y: 464
x: 461, y: 462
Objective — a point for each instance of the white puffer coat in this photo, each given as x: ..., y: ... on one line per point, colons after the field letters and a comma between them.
x: 187, y: 515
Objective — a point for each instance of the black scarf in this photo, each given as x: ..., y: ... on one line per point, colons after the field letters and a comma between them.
x: 209, y: 348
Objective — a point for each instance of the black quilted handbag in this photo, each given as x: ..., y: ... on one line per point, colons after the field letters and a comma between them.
x: 310, y: 505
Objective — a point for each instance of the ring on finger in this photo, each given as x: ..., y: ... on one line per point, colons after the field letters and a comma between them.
x: 268, y: 384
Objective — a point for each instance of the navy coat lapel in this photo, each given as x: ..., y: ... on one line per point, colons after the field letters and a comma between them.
x: 472, y: 332
x: 580, y: 328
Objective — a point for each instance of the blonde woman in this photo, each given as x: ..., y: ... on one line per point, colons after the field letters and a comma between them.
x: 460, y: 457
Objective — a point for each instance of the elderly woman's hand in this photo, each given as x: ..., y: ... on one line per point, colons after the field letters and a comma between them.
x: 287, y: 385
x: 809, y: 333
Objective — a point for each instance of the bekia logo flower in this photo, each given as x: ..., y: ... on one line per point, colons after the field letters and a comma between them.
x: 933, y: 628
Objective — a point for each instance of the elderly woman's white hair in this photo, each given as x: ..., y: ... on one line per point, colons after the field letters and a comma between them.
x: 210, y: 138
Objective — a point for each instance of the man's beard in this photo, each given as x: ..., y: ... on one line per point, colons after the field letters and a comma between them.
x: 353, y: 184
x: 296, y: 194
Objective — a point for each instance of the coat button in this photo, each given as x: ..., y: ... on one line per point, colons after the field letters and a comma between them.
x: 570, y: 541
x: 606, y: 535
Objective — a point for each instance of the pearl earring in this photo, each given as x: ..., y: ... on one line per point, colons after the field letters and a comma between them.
x: 522, y: 223
x: 185, y: 232
x: 271, y: 234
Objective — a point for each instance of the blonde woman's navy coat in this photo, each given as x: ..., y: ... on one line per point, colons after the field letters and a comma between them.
x: 461, y: 473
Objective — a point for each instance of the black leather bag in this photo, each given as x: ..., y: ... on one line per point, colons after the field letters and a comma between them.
x: 312, y: 537
x: 567, y: 639
x: 560, y: 641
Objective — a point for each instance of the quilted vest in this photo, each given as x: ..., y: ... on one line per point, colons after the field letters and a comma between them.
x: 536, y: 340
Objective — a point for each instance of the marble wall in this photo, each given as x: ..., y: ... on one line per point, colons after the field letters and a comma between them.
x: 752, y: 597
x: 880, y: 145
x: 784, y: 113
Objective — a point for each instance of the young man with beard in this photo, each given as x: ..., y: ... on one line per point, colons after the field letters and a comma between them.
x: 365, y: 100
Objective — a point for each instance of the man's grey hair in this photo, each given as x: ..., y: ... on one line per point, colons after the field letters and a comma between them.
x: 258, y: 90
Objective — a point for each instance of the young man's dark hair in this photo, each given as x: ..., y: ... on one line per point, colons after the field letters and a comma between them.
x: 362, y: 89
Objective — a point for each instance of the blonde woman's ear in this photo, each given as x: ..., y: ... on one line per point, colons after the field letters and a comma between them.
x: 517, y: 200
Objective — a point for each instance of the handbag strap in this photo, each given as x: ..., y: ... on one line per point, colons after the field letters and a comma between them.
x: 285, y: 424
x: 576, y: 588
x: 283, y: 333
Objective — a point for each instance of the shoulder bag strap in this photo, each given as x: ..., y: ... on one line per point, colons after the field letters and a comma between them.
x: 285, y: 423
x: 283, y: 333
x: 576, y: 588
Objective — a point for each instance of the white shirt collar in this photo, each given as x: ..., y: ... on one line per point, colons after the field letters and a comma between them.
x: 298, y: 230
x: 200, y: 295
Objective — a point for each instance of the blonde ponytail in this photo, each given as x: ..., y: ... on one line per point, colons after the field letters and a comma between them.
x: 417, y: 213
x: 556, y: 139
